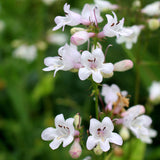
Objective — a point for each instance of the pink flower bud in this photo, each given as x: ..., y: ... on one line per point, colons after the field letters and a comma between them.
x: 123, y: 65
x: 81, y: 37
x: 75, y: 150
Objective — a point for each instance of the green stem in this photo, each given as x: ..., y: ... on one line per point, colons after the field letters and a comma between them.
x: 96, y: 93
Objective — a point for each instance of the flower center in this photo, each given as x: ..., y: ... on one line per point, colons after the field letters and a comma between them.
x: 101, y: 132
x: 92, y: 63
x: 63, y: 131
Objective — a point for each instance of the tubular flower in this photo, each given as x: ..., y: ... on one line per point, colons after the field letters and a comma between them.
x: 71, y: 18
x: 110, y: 94
x: 131, y: 39
x: 69, y: 58
x: 115, y: 27
x: 101, y: 134
x: 93, y: 63
x: 139, y: 124
x: 64, y: 132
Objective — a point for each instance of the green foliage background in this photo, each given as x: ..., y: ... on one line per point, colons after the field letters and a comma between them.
x: 31, y: 98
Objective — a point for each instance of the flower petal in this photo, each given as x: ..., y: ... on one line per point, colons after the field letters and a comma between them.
x: 107, y: 68
x: 59, y: 119
x: 55, y: 143
x: 94, y: 125
x: 97, y: 76
x: 84, y: 73
x: 104, y: 146
x: 108, y: 123
x: 116, y: 139
x: 91, y: 142
x: 48, y: 134
x: 67, y: 141
x: 69, y: 123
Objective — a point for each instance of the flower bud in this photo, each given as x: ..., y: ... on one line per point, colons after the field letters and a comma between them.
x: 81, y: 37
x: 97, y: 150
x: 124, y: 133
x: 118, y: 151
x: 123, y: 65
x: 77, y: 120
x: 76, y: 29
x: 136, y: 4
x: 153, y: 24
x: 75, y: 150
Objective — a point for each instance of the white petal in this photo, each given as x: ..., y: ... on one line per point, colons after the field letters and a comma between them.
x: 67, y: 141
x: 152, y: 133
x: 59, y: 119
x: 94, y: 125
x: 97, y: 76
x: 116, y: 139
x: 50, y: 68
x: 49, y: 61
x: 48, y: 134
x: 84, y: 73
x: 85, y: 57
x: 91, y: 142
x: 143, y: 120
x: 109, y: 18
x: 98, y: 54
x: 55, y: 143
x: 108, y: 124
x: 69, y: 123
x: 105, y: 146
x: 107, y: 68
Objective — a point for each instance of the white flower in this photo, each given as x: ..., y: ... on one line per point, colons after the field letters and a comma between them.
x: 64, y: 132
x: 154, y: 91
x: 27, y: 52
x: 139, y: 124
x: 71, y: 18
x: 115, y: 27
x: 90, y: 14
x: 129, y: 40
x: 105, y: 5
x: 152, y: 9
x: 93, y: 63
x: 123, y: 65
x: 101, y: 133
x: 69, y: 58
x: 110, y: 94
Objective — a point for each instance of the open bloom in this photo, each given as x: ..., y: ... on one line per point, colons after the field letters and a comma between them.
x: 110, y: 94
x: 152, y: 9
x: 131, y: 39
x: 90, y: 14
x: 69, y: 58
x: 115, y: 27
x: 71, y: 18
x: 105, y: 5
x: 154, y: 91
x: 64, y: 132
x: 101, y: 134
x: 93, y: 63
x: 139, y: 124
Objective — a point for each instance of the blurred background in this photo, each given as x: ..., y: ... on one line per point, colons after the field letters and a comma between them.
x: 31, y: 98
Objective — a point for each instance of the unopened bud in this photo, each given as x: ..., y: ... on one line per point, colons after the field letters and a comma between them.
x: 81, y: 37
x: 123, y: 65
x: 75, y: 150
x: 76, y: 29
x: 124, y: 133
x: 153, y: 24
x: 107, y: 75
x: 41, y: 45
x: 136, y: 4
x: 118, y: 151
x: 97, y: 150
x: 77, y: 120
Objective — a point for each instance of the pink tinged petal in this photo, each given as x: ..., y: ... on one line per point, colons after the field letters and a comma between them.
x: 97, y: 76
x: 116, y: 139
x: 109, y: 106
x: 84, y: 73
x: 67, y: 141
x: 104, y: 146
x: 59, y: 119
x: 48, y: 134
x: 123, y: 65
x: 107, y: 68
x: 94, y: 125
x: 55, y: 143
x: 116, y: 89
x: 91, y: 142
x: 108, y: 124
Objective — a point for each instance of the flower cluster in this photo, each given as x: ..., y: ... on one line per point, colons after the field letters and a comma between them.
x: 93, y: 63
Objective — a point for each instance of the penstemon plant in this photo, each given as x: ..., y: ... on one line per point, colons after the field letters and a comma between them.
x: 90, y: 64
